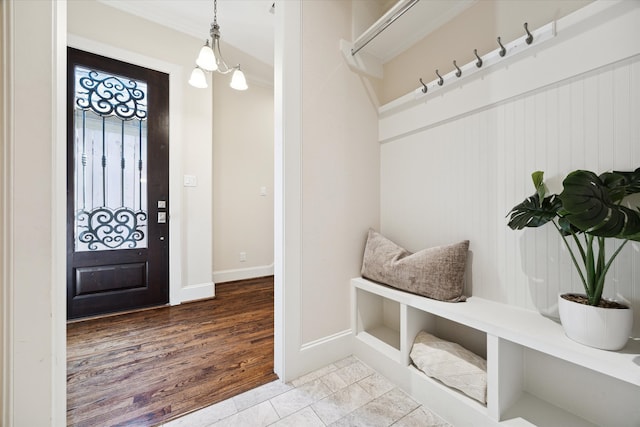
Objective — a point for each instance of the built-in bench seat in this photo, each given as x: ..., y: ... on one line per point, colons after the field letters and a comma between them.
x: 530, y: 361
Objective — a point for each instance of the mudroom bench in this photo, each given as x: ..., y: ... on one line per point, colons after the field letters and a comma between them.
x: 530, y: 361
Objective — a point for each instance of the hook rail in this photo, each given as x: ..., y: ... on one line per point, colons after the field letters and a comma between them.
x: 530, y: 39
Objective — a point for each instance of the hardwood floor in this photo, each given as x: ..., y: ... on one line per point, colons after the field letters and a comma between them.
x: 147, y: 367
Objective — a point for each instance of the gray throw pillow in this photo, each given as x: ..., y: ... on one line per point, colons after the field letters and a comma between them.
x: 436, y: 273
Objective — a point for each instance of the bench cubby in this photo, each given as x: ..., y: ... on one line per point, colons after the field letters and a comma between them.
x: 536, y: 376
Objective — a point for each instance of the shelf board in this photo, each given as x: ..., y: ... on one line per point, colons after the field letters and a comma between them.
x: 383, y: 339
x: 456, y: 394
x: 422, y: 19
x: 521, y: 326
x: 532, y: 411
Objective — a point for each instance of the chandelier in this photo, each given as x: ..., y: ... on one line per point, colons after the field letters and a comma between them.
x: 210, y: 60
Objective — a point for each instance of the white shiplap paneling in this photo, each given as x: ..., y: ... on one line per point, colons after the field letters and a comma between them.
x: 459, y: 178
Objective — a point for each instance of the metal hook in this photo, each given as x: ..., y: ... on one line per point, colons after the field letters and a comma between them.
x: 459, y: 72
x: 529, y: 38
x: 440, y: 79
x: 503, y: 50
x: 479, y: 61
x: 425, y: 88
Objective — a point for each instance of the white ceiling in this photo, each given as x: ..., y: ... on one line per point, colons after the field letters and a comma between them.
x: 244, y: 24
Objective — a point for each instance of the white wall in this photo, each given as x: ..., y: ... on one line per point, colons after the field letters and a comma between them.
x: 327, y: 172
x: 455, y: 163
x: 190, y: 126
x: 32, y: 176
x: 242, y: 165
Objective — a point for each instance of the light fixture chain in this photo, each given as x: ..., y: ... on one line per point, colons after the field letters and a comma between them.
x: 215, y: 12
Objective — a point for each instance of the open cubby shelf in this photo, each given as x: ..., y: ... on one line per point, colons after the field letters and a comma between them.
x: 536, y: 376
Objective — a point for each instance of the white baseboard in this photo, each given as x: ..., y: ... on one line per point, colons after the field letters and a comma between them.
x: 322, y: 352
x: 198, y: 291
x: 242, y: 273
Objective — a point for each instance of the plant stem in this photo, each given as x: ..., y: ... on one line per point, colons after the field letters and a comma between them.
x: 600, y: 283
x: 573, y: 257
x: 596, y: 272
x: 589, y: 266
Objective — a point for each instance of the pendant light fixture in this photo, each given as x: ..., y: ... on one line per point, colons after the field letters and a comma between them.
x: 210, y: 60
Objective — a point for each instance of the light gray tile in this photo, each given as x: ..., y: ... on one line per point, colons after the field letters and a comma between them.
x: 333, y: 381
x: 346, y: 361
x: 293, y: 400
x: 260, y: 415
x: 354, y: 372
x: 421, y: 417
x: 303, y: 418
x: 380, y: 412
x: 206, y: 416
x: 376, y: 385
x: 260, y: 394
x: 312, y: 376
x: 339, y: 404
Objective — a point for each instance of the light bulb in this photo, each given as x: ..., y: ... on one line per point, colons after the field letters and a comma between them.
x: 198, y: 79
x: 206, y: 58
x: 238, y: 81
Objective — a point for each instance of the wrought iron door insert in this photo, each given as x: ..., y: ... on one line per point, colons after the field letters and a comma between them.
x: 110, y: 166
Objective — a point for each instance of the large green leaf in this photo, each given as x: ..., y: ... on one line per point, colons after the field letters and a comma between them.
x: 532, y: 213
x: 621, y: 184
x: 590, y: 207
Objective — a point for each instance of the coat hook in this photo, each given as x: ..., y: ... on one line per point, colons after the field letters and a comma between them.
x: 440, y: 79
x: 459, y: 72
x: 503, y: 51
x: 424, y: 88
x: 479, y: 61
x: 529, y: 38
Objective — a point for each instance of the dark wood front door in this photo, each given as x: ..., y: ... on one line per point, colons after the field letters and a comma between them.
x: 117, y: 186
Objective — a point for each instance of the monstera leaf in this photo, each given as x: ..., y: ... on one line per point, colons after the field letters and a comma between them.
x: 591, y: 203
x: 621, y: 184
x: 532, y: 213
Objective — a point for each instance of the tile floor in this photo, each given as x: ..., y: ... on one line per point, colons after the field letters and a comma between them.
x: 345, y: 393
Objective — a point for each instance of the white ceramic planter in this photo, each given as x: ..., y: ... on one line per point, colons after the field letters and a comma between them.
x: 604, y: 328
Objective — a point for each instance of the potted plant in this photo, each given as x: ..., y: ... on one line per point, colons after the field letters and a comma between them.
x: 590, y: 210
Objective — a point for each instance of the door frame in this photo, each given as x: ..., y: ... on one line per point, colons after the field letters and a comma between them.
x: 176, y: 78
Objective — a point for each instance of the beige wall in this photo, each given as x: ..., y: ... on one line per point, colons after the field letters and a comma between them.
x: 242, y: 164
x: 340, y: 174
x: 475, y: 28
x: 2, y: 214
x: 365, y: 13
x: 327, y: 191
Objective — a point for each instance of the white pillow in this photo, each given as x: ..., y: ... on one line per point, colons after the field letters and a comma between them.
x: 452, y: 364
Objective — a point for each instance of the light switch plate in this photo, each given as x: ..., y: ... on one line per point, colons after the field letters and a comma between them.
x: 190, y: 181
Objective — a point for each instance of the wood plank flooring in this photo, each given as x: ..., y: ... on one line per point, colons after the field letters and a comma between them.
x: 147, y: 367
